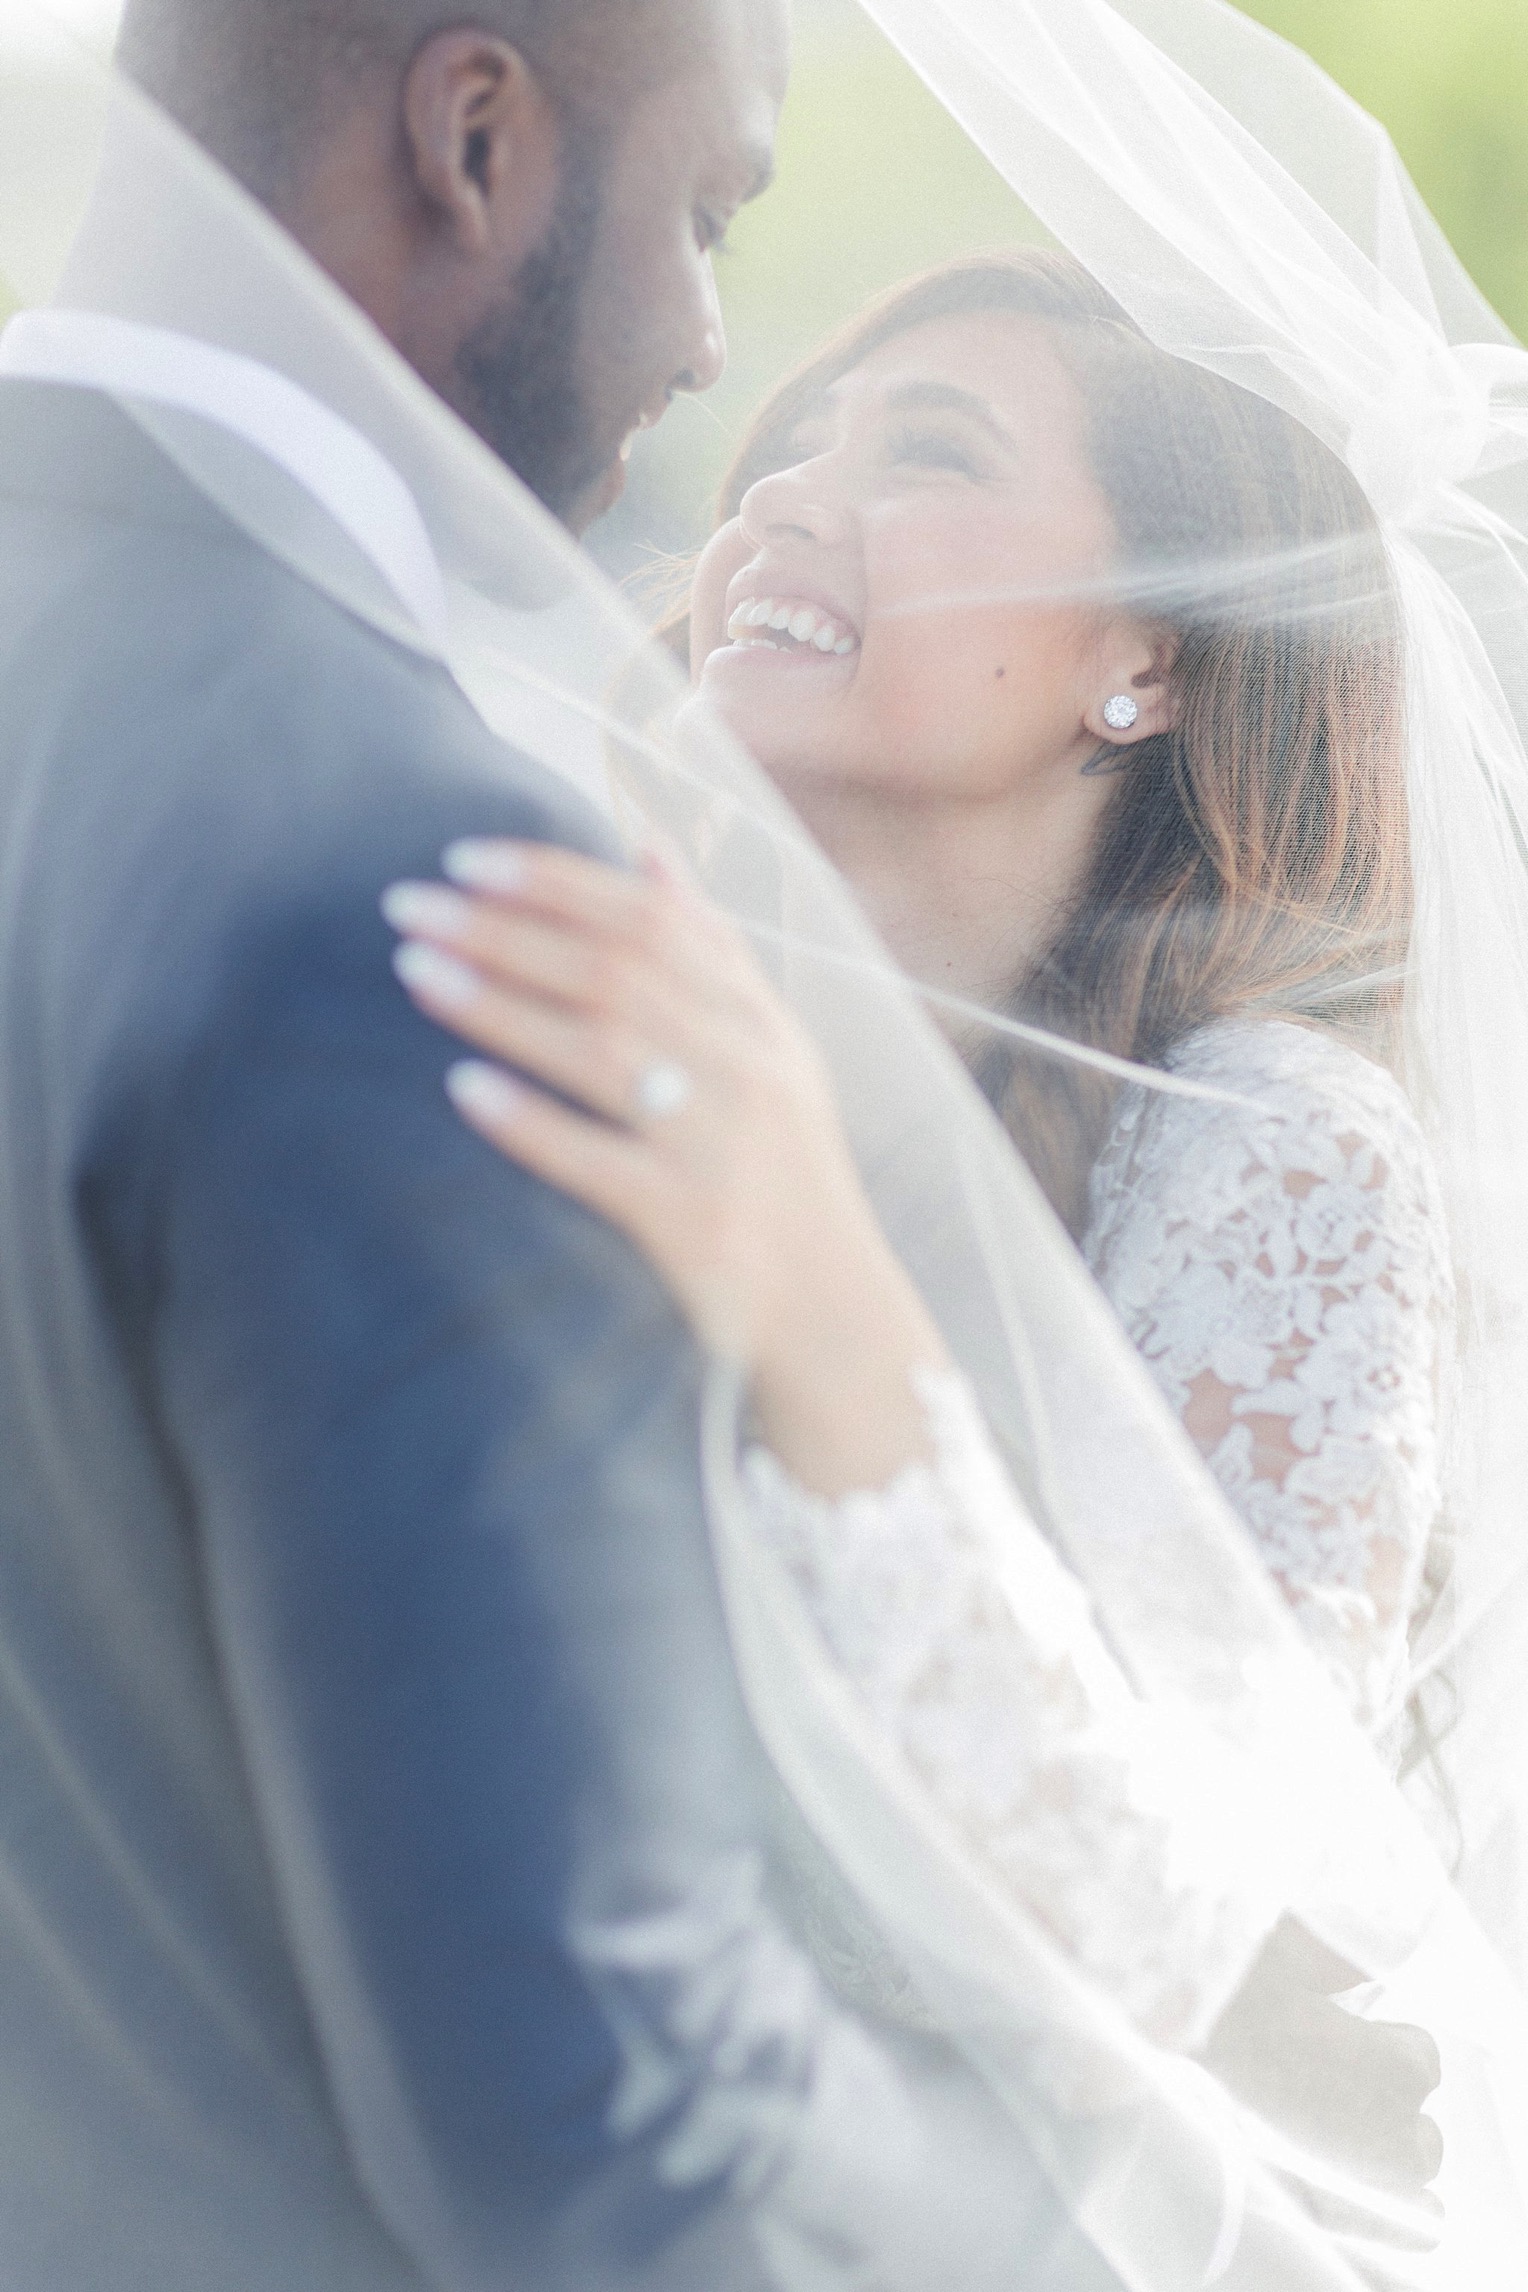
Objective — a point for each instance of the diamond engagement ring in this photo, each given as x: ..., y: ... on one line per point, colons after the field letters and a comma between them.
x: 664, y: 1088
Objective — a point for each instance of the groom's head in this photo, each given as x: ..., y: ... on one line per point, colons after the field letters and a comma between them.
x: 522, y: 193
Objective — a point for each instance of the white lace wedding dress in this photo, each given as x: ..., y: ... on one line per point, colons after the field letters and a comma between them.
x: 1279, y: 1258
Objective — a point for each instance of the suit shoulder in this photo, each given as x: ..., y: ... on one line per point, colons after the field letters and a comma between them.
x: 188, y: 679
x: 147, y: 643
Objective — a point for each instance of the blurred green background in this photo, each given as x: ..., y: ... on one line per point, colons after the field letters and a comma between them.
x: 876, y: 182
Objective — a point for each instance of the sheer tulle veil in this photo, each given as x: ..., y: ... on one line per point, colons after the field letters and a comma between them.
x: 1253, y: 223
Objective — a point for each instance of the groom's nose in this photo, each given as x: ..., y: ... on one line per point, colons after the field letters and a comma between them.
x: 706, y: 354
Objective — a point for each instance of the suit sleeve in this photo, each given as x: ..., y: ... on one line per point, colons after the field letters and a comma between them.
x: 439, y: 1431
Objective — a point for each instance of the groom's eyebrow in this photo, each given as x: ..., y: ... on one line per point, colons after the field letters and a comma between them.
x: 947, y: 398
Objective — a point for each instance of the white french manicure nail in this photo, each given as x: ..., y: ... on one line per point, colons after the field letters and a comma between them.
x: 438, y: 978
x: 484, y: 1093
x: 426, y: 907
x: 484, y: 866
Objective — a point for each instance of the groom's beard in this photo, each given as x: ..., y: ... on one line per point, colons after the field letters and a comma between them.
x: 518, y: 371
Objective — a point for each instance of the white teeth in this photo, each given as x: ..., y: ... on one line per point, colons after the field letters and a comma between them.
x: 806, y: 624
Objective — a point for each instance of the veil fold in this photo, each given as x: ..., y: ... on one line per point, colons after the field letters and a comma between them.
x: 1254, y: 223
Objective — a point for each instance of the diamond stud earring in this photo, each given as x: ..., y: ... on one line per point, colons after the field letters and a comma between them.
x: 1121, y: 712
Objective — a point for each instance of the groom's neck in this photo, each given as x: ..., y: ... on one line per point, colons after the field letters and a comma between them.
x: 342, y: 210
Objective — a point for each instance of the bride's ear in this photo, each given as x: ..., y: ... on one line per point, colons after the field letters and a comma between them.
x: 1132, y: 696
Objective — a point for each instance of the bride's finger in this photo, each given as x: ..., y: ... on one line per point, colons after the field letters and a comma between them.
x: 553, y: 880
x: 656, y: 915
x: 607, y: 1170
x: 565, y: 962
x: 600, y: 1063
x: 579, y: 966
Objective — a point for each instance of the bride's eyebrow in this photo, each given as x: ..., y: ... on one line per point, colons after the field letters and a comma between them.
x: 947, y: 398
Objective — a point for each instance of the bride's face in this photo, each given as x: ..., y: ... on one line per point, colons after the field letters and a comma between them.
x: 934, y: 539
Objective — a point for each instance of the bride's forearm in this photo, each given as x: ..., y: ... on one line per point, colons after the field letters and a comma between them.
x: 836, y: 1387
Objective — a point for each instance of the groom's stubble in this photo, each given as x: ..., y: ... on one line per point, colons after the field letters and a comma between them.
x: 536, y: 247
x: 518, y: 371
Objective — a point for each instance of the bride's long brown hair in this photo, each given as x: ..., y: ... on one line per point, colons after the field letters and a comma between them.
x: 1254, y: 859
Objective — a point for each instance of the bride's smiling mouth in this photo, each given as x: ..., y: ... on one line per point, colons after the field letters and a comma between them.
x: 779, y: 626
x: 790, y: 624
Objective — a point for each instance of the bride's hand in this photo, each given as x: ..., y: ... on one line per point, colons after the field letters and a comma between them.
x: 702, y: 1123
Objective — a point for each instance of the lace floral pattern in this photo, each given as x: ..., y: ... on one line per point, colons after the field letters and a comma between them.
x: 1112, y: 1822
x: 1278, y: 1256
x: 1280, y: 1263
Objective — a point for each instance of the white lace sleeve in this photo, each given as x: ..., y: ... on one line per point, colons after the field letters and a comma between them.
x: 1126, y: 1831
x: 1281, y: 1265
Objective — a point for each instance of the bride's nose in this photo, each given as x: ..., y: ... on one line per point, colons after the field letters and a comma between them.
x: 802, y: 503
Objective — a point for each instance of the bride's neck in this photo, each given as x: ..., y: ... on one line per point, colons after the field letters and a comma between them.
x: 967, y: 895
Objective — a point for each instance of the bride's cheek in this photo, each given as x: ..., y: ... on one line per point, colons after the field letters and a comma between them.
x: 950, y: 675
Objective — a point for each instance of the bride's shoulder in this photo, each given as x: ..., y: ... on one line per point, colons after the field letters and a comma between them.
x: 1280, y: 1070
x: 1275, y: 1106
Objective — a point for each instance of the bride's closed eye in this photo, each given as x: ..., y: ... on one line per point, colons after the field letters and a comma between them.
x: 936, y: 450
x: 916, y: 448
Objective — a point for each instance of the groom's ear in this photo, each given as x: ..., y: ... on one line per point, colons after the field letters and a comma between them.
x: 481, y: 142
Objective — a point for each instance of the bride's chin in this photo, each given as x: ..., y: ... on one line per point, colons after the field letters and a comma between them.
x: 758, y: 707
x: 721, y: 703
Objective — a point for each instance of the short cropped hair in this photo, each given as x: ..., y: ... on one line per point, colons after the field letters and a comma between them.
x: 255, y: 80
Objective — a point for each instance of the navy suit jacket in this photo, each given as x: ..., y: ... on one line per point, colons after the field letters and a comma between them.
x: 377, y: 1846
x: 379, y: 1871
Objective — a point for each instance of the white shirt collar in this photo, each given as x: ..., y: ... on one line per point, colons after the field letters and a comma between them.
x: 326, y: 455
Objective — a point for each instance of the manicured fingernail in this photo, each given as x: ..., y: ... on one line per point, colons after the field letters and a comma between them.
x: 426, y: 907
x: 482, y: 865
x: 484, y: 1093
x: 438, y: 978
